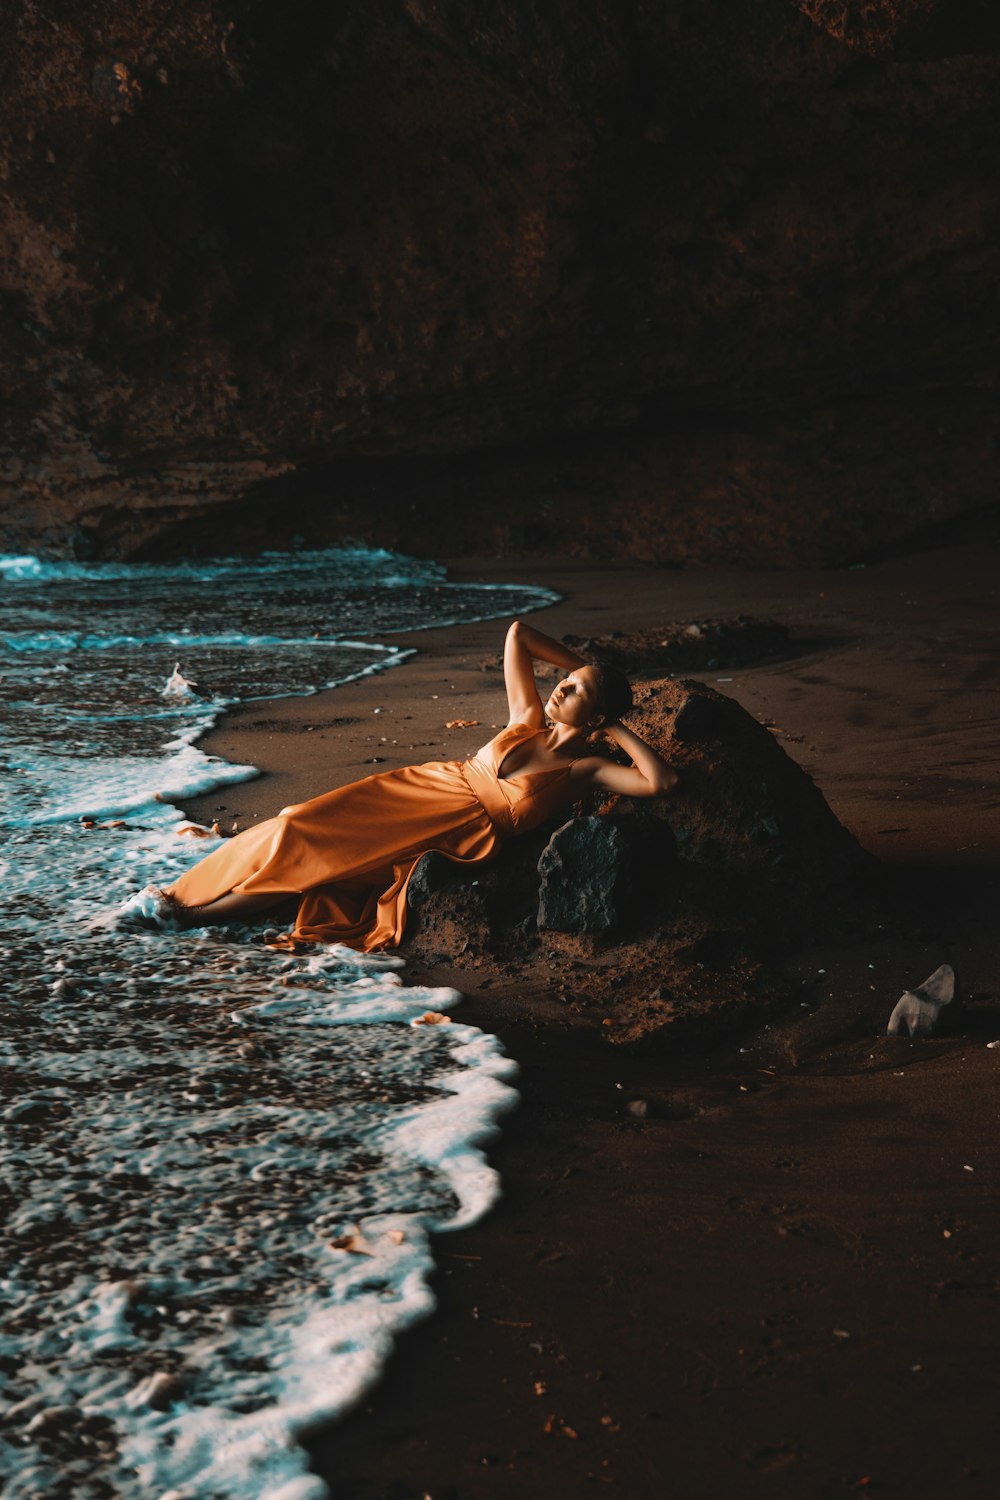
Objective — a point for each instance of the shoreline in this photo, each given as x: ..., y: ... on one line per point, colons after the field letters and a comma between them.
x: 767, y: 1282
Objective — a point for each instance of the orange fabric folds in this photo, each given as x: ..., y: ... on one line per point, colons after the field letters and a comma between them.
x: 350, y: 853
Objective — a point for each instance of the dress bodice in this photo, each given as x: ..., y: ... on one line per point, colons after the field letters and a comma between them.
x: 520, y: 802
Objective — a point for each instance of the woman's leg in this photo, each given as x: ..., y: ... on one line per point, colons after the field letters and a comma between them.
x: 236, y: 906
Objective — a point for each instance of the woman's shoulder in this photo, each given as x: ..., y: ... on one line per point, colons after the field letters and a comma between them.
x: 520, y: 729
x: 508, y: 735
x: 525, y: 720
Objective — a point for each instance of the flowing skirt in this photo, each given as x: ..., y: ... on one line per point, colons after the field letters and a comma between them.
x: 350, y: 853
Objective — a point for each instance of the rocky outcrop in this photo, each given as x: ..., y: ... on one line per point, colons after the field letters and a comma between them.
x: 680, y: 282
x: 681, y: 908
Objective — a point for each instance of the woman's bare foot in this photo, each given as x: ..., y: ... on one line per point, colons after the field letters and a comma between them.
x: 153, y: 909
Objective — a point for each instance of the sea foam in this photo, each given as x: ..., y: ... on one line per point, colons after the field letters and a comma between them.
x: 223, y: 1165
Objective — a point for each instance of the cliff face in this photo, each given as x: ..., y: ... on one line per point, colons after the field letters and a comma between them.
x: 697, y: 279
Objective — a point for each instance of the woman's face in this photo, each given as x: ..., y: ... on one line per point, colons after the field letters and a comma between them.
x: 575, y: 700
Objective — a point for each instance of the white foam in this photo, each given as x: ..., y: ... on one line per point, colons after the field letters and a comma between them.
x: 194, y: 1122
x: 317, y: 1352
x: 13, y: 566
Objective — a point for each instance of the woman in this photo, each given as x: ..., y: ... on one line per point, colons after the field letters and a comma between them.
x: 349, y: 854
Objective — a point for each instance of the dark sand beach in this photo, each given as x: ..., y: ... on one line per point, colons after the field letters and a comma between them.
x: 636, y: 302
x: 784, y: 1278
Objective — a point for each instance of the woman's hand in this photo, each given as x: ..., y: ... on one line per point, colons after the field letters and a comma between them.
x: 649, y: 775
x: 524, y: 645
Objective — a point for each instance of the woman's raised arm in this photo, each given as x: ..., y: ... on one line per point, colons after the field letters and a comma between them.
x: 649, y: 775
x: 524, y: 645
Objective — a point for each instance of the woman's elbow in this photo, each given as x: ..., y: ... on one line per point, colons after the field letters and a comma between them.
x: 667, y: 782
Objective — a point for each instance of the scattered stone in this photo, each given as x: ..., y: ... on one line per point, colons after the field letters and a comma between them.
x: 26, y: 1408
x: 54, y: 1419
x: 158, y: 1392
x: 921, y: 1010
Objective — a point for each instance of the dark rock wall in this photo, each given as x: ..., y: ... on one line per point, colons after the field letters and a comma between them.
x: 729, y: 262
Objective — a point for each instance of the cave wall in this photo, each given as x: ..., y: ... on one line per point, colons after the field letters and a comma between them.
x: 729, y: 266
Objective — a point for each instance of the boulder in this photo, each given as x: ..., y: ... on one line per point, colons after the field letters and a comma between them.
x: 434, y: 872
x: 668, y: 917
x: 594, y: 875
x: 751, y: 825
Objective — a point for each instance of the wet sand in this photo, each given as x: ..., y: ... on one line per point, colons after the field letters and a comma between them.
x: 785, y: 1278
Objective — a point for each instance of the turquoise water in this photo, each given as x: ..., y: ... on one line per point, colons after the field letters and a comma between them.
x: 221, y: 1167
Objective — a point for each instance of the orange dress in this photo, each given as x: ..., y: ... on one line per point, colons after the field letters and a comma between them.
x: 350, y: 853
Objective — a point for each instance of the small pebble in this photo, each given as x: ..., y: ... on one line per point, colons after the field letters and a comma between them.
x: 54, y: 1418
x: 26, y: 1408
x: 157, y: 1392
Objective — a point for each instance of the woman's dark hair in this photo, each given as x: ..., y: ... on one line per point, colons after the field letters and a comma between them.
x: 614, y: 693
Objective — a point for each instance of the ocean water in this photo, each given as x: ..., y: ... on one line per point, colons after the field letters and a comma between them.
x: 221, y: 1167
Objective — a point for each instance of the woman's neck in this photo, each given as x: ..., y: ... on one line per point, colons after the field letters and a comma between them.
x: 564, y: 738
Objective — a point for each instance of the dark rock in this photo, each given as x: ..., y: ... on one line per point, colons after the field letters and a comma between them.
x: 701, y: 717
x: 160, y: 1391
x: 749, y: 816
x: 27, y: 1112
x: 682, y: 649
x: 54, y: 1419
x: 594, y: 875
x: 433, y: 872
